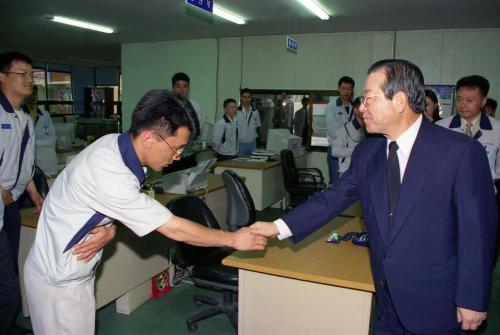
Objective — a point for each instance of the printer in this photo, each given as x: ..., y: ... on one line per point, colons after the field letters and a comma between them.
x: 188, y: 180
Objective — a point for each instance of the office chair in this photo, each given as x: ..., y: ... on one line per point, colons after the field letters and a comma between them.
x: 205, y: 265
x: 300, y: 183
x: 240, y: 211
x: 41, y: 185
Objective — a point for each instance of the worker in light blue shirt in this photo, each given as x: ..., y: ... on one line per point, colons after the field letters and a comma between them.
x: 17, y: 143
x: 248, y: 124
x: 45, y: 135
x: 338, y: 113
x: 16, y: 169
x: 225, y: 137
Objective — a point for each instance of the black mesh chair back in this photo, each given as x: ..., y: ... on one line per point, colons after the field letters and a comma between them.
x: 289, y: 169
x: 300, y: 183
x: 240, y: 210
x: 204, y: 265
x: 194, y: 209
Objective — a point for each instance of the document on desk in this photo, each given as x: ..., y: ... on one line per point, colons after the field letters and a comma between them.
x: 251, y: 160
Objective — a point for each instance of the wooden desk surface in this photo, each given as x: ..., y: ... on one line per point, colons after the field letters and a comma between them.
x: 244, y: 164
x: 354, y: 211
x: 215, y: 182
x: 314, y: 260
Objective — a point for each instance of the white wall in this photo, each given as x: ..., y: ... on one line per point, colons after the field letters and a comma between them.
x: 147, y: 66
x: 219, y: 67
x: 447, y: 55
x: 321, y: 59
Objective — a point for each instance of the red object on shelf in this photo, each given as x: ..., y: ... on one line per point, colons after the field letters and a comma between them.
x: 160, y: 284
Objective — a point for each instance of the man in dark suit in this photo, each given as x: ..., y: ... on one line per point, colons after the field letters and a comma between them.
x: 428, y: 204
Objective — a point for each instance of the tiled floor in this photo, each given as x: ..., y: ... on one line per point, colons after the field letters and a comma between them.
x: 167, y: 315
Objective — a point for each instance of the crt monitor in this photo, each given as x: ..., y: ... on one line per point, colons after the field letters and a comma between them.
x: 279, y: 139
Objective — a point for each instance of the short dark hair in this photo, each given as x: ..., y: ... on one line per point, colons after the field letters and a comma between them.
x: 356, y: 102
x: 492, y: 103
x: 7, y: 58
x: 305, y: 99
x: 245, y: 90
x: 165, y: 112
x: 180, y: 76
x: 431, y: 95
x: 474, y: 81
x: 402, y: 76
x: 347, y: 80
x: 228, y: 101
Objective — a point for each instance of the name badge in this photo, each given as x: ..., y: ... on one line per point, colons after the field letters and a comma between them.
x: 6, y: 126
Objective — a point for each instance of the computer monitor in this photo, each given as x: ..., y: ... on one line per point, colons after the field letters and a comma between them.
x: 279, y: 139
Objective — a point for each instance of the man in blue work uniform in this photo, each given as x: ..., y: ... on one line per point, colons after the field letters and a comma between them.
x: 17, y: 146
x: 248, y: 124
x: 225, y: 137
x: 472, y: 92
x: 17, y: 143
x: 338, y: 113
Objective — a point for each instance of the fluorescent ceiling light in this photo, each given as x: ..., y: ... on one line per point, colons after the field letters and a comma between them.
x: 313, y: 7
x: 82, y: 24
x: 227, y: 15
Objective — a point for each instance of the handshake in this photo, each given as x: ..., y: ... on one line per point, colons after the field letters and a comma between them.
x: 255, y: 236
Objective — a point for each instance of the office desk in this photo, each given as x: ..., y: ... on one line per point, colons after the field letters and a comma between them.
x: 310, y: 288
x: 264, y: 180
x: 128, y: 262
x: 354, y: 211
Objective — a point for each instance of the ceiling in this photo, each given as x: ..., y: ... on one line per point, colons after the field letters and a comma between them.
x: 24, y: 25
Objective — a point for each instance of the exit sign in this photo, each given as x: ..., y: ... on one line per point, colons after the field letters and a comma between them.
x: 291, y: 44
x: 205, y: 5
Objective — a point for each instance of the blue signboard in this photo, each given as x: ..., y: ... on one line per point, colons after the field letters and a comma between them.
x: 205, y: 5
x: 291, y: 44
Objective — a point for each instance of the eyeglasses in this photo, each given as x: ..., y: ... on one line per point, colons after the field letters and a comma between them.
x: 25, y: 75
x: 177, y: 152
x: 364, y: 100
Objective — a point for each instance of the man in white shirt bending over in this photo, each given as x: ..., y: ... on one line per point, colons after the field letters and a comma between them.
x: 102, y: 184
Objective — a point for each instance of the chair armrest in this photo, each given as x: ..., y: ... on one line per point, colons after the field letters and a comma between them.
x: 312, y: 171
x: 312, y: 177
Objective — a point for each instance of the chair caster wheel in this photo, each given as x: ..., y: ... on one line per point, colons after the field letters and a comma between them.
x: 192, y: 327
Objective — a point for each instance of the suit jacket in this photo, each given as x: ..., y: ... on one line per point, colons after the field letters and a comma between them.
x: 437, y: 253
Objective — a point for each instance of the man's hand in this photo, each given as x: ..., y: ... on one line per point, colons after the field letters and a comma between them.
x: 101, y: 236
x: 34, y: 196
x: 470, y: 319
x: 246, y: 239
x: 37, y: 201
x: 267, y: 229
x: 7, y: 197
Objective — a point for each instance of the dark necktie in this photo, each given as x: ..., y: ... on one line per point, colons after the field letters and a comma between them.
x: 393, y: 176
